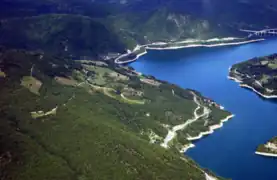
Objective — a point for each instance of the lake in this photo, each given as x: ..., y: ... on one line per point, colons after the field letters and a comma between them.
x: 229, y: 152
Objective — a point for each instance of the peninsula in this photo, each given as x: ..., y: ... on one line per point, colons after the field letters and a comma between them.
x: 98, y: 110
x: 258, y: 74
x: 268, y: 149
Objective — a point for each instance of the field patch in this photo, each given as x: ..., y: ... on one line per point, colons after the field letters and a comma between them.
x: 32, y: 84
x: 66, y: 81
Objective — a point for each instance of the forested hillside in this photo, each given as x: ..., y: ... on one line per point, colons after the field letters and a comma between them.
x: 121, y: 25
x: 90, y: 120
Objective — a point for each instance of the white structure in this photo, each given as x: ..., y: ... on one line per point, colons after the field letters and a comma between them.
x: 264, y: 32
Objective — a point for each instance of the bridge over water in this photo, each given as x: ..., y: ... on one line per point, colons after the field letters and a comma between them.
x: 260, y: 33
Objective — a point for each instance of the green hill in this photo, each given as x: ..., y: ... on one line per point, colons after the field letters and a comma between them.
x: 65, y: 120
x: 60, y: 34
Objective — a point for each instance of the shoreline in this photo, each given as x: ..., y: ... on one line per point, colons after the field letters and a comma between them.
x: 172, y: 133
x: 206, y: 45
x: 234, y: 79
x: 187, y: 147
x: 180, y: 47
x: 131, y: 60
x: 265, y: 154
x: 211, y: 129
x: 241, y: 84
x: 203, y: 134
x: 259, y: 93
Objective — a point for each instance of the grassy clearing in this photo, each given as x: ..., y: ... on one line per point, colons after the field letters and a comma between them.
x: 97, y: 69
x: 118, y: 77
x: 103, y: 76
x: 265, y: 79
x: 100, y: 74
x: 32, y: 84
x: 112, y: 94
x: 66, y: 81
x: 132, y: 101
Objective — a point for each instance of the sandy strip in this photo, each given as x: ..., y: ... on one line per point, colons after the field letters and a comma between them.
x: 266, y: 154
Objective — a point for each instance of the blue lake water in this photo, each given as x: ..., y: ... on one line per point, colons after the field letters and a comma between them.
x: 229, y: 152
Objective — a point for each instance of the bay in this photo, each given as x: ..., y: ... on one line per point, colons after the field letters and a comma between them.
x: 229, y: 152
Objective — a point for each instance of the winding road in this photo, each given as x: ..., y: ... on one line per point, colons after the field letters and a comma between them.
x: 173, y: 132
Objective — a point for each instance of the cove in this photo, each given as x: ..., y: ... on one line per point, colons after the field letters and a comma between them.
x: 229, y: 152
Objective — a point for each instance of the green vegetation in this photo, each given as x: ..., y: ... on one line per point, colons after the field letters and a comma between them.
x: 92, y: 133
x: 132, y: 101
x: 270, y: 147
x: 259, y: 73
x: 273, y: 65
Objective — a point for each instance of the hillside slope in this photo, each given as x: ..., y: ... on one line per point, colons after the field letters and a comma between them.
x: 94, y: 28
x: 66, y: 120
x: 60, y: 34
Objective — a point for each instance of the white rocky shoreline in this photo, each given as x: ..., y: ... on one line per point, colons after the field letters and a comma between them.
x: 265, y: 154
x: 117, y: 60
x: 241, y: 84
x: 172, y: 132
x: 211, y: 129
x: 203, y: 134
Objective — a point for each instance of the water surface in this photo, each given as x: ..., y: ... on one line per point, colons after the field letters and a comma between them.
x: 229, y: 152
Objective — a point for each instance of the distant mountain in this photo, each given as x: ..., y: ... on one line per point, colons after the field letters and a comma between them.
x: 129, y: 22
x: 62, y: 34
